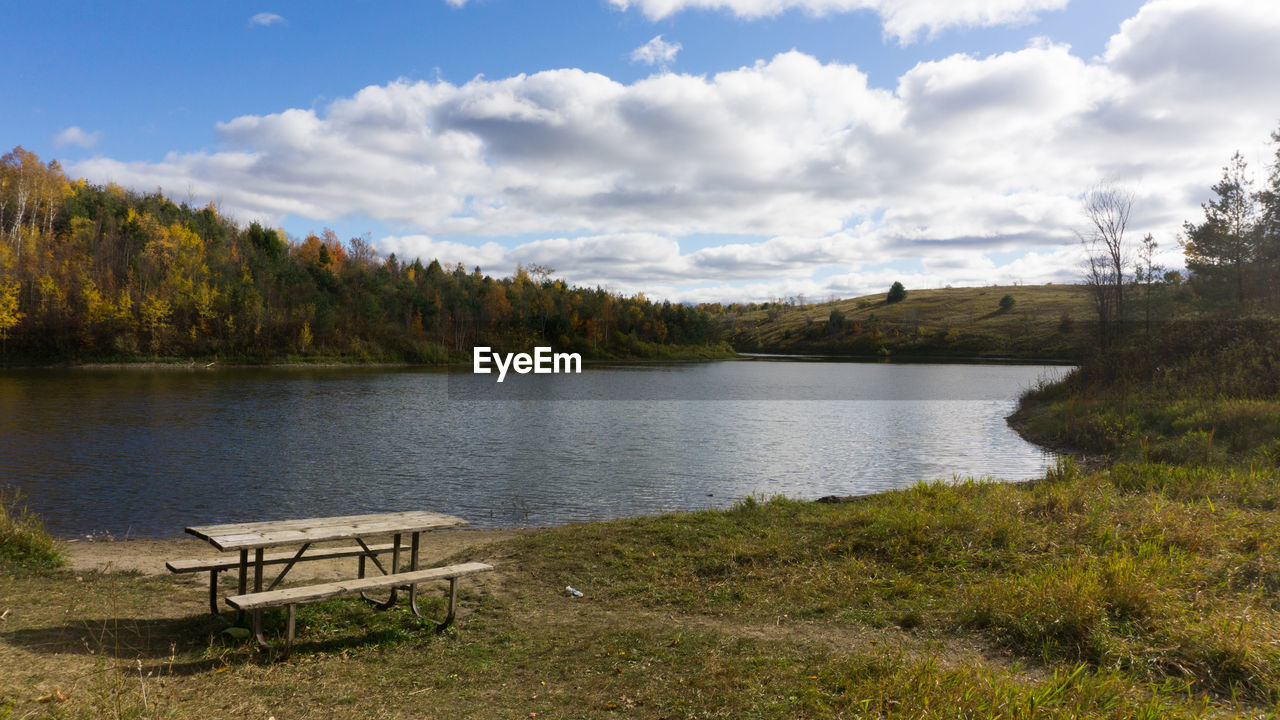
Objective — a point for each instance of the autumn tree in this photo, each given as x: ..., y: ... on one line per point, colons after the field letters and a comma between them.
x: 9, y: 315
x: 128, y: 274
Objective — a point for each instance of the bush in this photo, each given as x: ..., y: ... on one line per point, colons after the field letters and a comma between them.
x: 1006, y: 303
x: 836, y: 321
x: 897, y: 293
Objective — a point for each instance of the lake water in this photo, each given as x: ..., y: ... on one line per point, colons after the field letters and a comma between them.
x: 144, y: 453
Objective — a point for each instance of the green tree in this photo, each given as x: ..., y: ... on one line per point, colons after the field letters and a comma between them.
x: 1268, y: 240
x: 1220, y: 249
x: 897, y: 293
x: 835, y: 322
x: 1006, y: 303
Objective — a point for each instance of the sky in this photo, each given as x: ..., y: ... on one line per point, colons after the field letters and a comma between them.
x: 693, y: 150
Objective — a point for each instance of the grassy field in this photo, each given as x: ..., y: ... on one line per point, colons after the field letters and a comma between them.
x: 1141, y: 591
x: 1045, y: 321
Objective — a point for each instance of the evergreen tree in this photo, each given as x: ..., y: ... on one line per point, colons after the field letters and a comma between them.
x: 1268, y: 248
x: 1220, y: 250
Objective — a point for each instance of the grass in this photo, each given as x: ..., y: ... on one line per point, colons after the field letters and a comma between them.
x: 1201, y: 392
x: 1046, y: 322
x: 24, y: 546
x: 1144, y: 590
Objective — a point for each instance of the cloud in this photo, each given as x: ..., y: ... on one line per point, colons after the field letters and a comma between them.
x: 904, y: 20
x: 655, y: 52
x: 265, y: 19
x: 812, y: 169
x: 74, y: 135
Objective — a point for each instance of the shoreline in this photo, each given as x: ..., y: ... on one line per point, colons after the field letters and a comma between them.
x: 325, y: 364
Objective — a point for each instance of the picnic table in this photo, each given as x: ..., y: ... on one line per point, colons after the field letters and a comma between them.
x: 254, y: 538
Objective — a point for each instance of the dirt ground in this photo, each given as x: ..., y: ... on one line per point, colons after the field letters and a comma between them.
x: 149, y: 556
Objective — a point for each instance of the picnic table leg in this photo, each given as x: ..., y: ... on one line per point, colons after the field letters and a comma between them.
x: 288, y: 638
x: 257, y: 587
x: 213, y: 592
x: 413, y: 565
x: 395, y: 568
x: 244, y: 579
x: 453, y: 599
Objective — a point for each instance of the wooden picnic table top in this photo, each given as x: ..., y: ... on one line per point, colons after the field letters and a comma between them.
x: 249, y: 536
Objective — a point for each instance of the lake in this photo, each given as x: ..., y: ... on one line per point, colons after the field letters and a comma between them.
x: 144, y: 452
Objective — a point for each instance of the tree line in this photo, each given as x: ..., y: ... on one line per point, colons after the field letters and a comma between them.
x: 1232, y: 255
x: 101, y: 272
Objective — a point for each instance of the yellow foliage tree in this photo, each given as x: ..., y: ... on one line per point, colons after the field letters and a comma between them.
x: 9, y: 315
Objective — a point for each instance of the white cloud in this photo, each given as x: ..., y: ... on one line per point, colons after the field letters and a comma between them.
x: 265, y: 19
x: 902, y: 19
x: 965, y: 155
x: 74, y: 135
x: 655, y: 52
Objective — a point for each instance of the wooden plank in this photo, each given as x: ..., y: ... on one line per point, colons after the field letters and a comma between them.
x: 309, y: 593
x: 265, y: 534
x: 238, y: 536
x: 305, y: 523
x: 230, y: 562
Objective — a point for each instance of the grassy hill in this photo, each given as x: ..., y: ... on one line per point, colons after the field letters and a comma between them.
x: 1045, y: 321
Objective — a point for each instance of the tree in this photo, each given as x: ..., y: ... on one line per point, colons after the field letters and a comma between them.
x: 835, y: 321
x: 1147, y: 273
x: 1268, y: 238
x: 1220, y: 249
x: 1006, y: 303
x: 9, y: 315
x: 897, y: 293
x: 1106, y: 208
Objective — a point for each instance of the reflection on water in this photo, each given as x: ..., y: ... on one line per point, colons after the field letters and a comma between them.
x: 145, y: 453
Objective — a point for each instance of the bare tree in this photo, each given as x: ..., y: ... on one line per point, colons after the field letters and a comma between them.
x: 1106, y: 209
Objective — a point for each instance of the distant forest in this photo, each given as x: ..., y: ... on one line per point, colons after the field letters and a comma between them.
x: 89, y: 272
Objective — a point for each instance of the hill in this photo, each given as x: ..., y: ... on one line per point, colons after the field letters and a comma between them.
x: 1044, y: 322
x: 91, y: 273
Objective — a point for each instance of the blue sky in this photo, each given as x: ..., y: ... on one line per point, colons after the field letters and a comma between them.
x: 786, y: 147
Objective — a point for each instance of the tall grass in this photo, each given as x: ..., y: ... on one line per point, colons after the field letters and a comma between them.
x: 1199, y: 393
x: 23, y: 542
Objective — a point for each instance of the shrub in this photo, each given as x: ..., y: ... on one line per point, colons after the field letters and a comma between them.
x: 897, y: 293
x: 1006, y: 303
x: 836, y: 321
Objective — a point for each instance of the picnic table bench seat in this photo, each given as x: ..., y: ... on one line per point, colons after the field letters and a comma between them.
x: 291, y: 596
